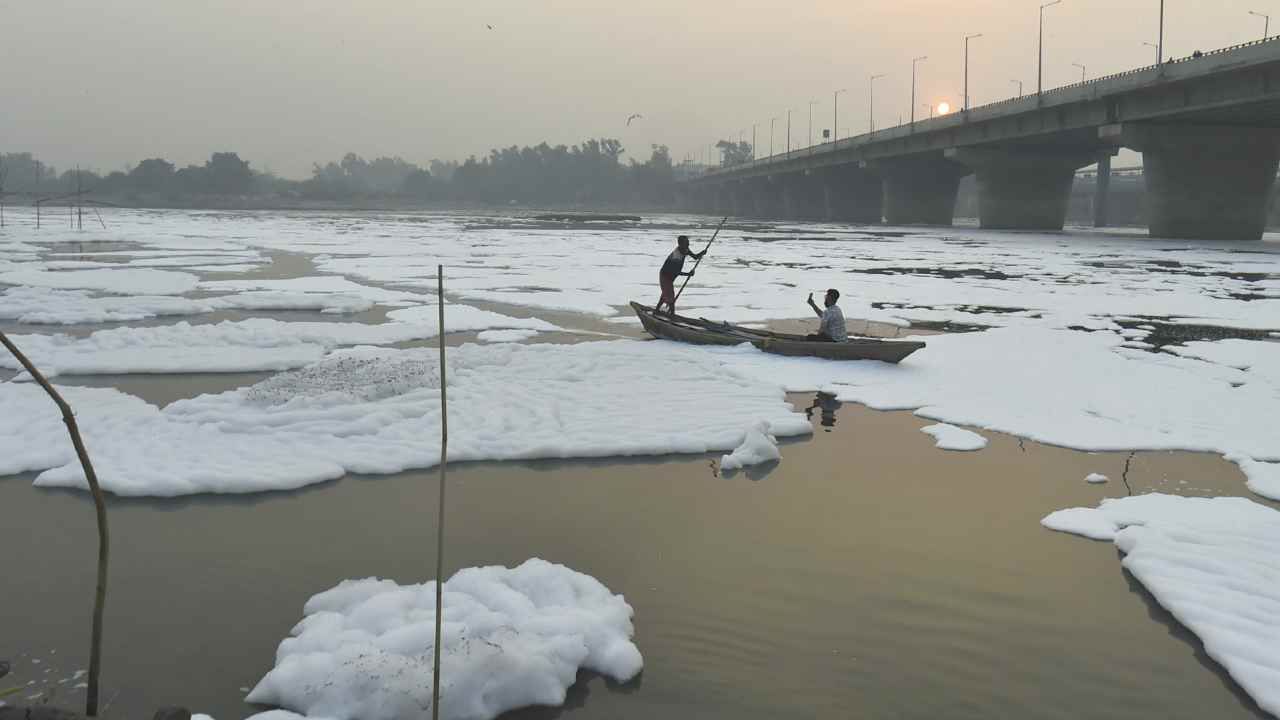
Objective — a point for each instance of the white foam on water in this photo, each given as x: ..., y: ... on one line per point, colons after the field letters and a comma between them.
x: 256, y: 344
x: 758, y: 446
x: 511, y: 638
x: 1212, y: 563
x: 123, y: 281
x: 950, y: 437
x: 1031, y: 375
x: 322, y: 284
x: 1096, y: 478
x: 373, y: 410
x: 1059, y: 387
x: 69, y: 307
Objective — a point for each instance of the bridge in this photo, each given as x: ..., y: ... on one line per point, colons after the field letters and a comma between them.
x: 1208, y: 128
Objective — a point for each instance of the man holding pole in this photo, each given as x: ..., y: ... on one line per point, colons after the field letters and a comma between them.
x: 672, y: 269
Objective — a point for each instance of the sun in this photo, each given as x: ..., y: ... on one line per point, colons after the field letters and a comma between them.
x: 944, y: 108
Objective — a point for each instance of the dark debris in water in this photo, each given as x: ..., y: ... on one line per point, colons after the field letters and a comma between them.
x: 939, y: 325
x: 1161, y: 332
x: 949, y: 273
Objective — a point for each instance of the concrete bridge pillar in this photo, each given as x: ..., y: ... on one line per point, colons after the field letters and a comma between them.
x: 1102, y: 192
x: 1023, y: 188
x: 803, y: 197
x: 744, y: 199
x: 702, y: 199
x: 920, y: 190
x: 1211, y: 182
x: 767, y: 196
x: 853, y: 194
x: 720, y: 199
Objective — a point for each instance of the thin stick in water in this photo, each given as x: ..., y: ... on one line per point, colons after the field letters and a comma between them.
x: 100, y: 506
x: 444, y: 447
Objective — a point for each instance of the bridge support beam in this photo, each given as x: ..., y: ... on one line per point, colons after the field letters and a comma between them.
x: 741, y: 199
x: 721, y: 200
x: 853, y: 194
x: 1204, y: 181
x: 702, y: 199
x: 1102, y: 192
x: 766, y: 193
x: 803, y: 197
x: 920, y: 190
x: 1023, y: 188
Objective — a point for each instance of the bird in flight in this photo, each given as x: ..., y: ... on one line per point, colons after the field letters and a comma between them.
x: 636, y: 116
x: 488, y: 26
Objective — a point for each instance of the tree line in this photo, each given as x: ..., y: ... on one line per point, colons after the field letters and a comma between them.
x: 592, y: 172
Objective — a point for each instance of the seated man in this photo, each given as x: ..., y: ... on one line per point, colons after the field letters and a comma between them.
x: 832, y: 327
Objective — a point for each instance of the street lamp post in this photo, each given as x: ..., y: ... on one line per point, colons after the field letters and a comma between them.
x: 772, y: 121
x: 1082, y: 71
x: 967, y: 38
x: 788, y: 131
x: 835, y: 114
x: 1040, y: 63
x: 1160, y: 39
x: 1156, y: 48
x: 914, y: 62
x: 871, y: 101
x: 1266, y: 23
x: 930, y: 107
x: 1019, y: 82
x: 753, y: 142
x: 811, y: 104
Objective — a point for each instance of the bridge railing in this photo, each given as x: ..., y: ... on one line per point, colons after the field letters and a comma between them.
x: 856, y: 140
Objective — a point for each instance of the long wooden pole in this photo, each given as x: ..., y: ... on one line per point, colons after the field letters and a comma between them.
x: 444, y: 447
x: 100, y: 506
x: 699, y: 260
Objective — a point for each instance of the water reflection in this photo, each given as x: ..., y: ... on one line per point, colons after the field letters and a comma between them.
x: 828, y: 405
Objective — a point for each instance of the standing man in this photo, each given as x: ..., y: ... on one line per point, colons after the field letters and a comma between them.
x: 832, y: 327
x: 672, y: 269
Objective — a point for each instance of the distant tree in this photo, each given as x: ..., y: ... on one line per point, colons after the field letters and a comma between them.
x: 191, y: 180
x: 419, y: 184
x: 227, y: 174
x: 114, y: 181
x: 653, y: 181
x: 84, y: 179
x: 442, y: 170
x: 734, y: 153
x: 24, y: 173
x: 152, y: 175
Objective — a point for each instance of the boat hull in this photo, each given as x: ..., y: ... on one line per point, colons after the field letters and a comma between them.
x: 705, y: 332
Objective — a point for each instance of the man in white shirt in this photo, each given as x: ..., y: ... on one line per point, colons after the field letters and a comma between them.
x: 832, y: 328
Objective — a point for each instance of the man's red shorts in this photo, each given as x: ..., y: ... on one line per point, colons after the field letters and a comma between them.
x: 668, y: 284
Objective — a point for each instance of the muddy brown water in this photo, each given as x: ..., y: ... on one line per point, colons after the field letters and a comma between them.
x: 867, y: 575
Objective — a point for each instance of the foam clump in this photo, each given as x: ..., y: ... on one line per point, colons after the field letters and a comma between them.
x: 1096, y: 478
x: 511, y: 638
x: 350, y: 376
x: 950, y: 437
x: 375, y: 411
x: 1212, y: 563
x: 255, y: 344
x: 758, y: 447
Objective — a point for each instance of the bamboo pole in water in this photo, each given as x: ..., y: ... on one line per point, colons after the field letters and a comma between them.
x: 100, y: 506
x: 699, y: 260
x: 444, y: 447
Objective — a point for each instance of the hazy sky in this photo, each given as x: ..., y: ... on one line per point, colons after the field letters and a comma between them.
x: 288, y: 82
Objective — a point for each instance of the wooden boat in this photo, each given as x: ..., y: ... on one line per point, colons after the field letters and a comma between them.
x: 700, y: 331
